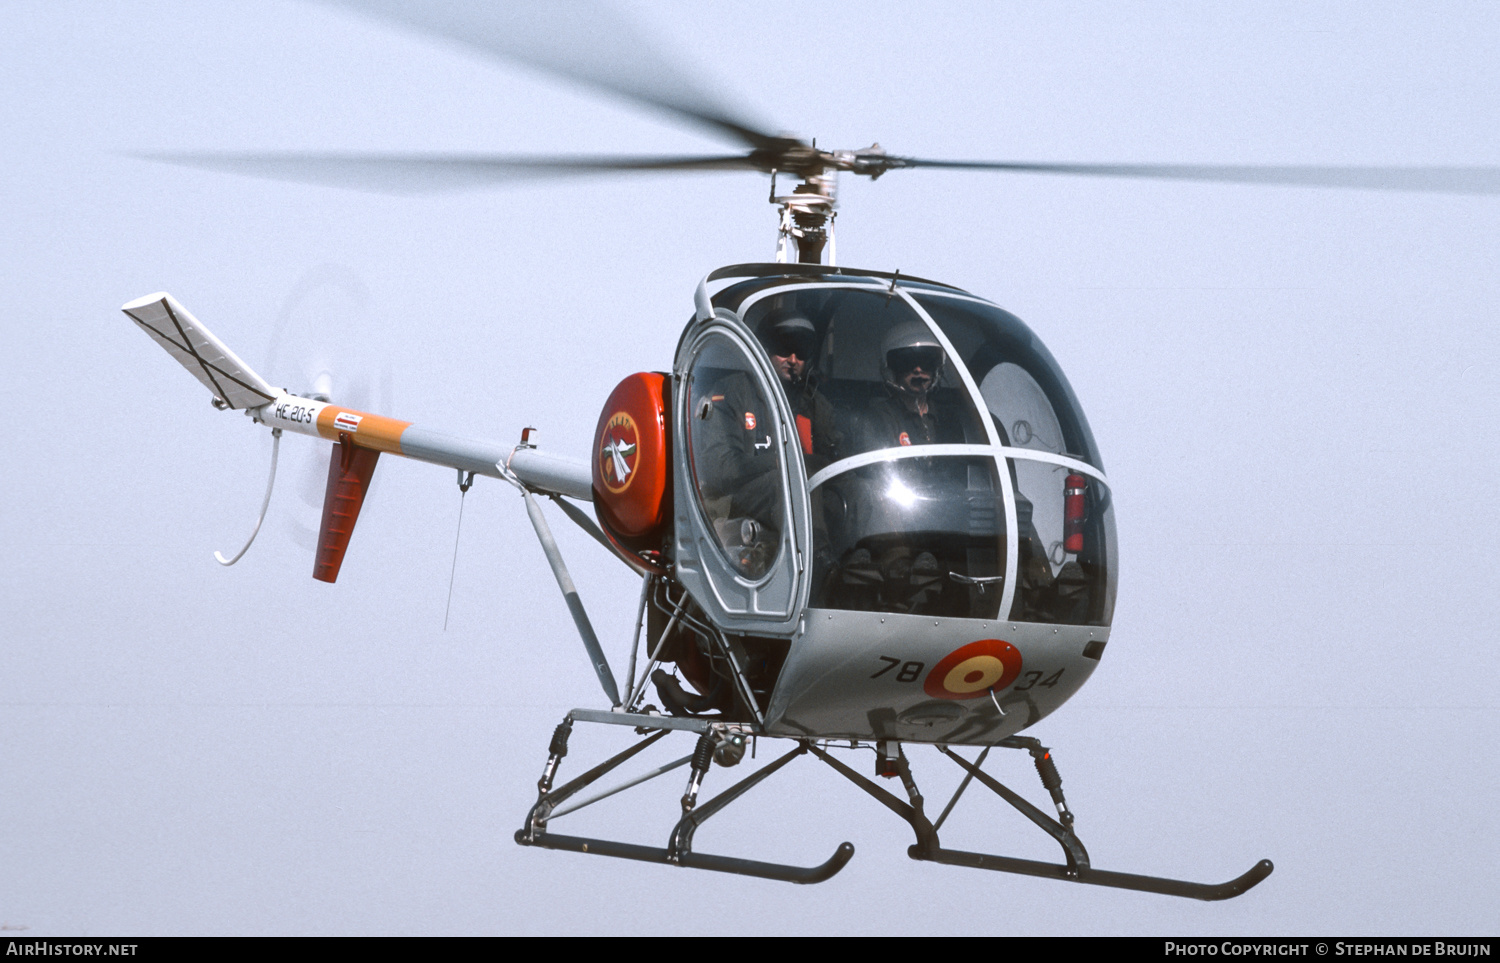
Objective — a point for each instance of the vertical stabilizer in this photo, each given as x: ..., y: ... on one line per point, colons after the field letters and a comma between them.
x: 349, y: 472
x: 194, y: 347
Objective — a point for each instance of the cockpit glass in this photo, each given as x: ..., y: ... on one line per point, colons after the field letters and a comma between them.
x: 874, y: 374
x: 871, y: 382
x: 922, y: 536
x: 1021, y: 410
x: 1064, y: 522
x: 1065, y: 545
x: 736, y: 456
x: 1027, y: 395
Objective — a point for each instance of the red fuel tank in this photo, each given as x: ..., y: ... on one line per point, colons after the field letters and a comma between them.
x: 632, y: 463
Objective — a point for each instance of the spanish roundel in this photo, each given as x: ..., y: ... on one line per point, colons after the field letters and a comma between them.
x: 973, y: 671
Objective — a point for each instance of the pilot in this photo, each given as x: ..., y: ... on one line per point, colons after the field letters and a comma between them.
x: 904, y: 575
x: 792, y: 343
x: 912, y: 361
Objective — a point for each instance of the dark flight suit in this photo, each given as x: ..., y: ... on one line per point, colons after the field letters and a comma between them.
x: 816, y: 434
x: 890, y: 423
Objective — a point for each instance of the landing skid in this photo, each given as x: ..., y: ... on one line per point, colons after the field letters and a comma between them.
x: 679, y: 849
x: 724, y: 742
x: 1076, y: 869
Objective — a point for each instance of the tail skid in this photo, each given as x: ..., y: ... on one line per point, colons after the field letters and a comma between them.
x: 265, y: 503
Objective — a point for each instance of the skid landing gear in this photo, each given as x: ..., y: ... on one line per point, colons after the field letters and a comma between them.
x: 725, y: 743
x: 715, y: 742
x: 1076, y: 868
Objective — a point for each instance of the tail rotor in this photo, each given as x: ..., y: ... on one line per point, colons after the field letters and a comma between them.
x: 320, y: 349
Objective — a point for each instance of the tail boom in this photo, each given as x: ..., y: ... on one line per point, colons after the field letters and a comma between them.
x: 553, y: 474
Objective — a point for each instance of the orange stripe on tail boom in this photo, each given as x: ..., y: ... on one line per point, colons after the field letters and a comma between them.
x: 375, y: 432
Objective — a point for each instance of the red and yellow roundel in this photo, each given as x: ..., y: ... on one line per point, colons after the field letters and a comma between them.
x: 973, y: 671
x: 619, y: 452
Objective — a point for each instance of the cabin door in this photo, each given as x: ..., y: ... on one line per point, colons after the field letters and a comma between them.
x: 741, y: 539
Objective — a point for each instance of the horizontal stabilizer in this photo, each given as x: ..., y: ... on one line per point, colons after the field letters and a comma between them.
x: 196, y: 349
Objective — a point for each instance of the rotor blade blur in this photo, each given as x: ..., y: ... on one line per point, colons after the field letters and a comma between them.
x: 425, y: 173
x: 582, y: 40
x: 1443, y: 180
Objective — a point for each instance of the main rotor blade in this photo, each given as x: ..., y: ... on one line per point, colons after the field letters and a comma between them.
x: 419, y: 173
x: 582, y: 40
x: 1443, y: 180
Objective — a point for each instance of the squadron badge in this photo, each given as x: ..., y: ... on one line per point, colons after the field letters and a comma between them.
x: 619, y: 452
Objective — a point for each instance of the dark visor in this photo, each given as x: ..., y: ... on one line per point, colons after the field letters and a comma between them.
x: 902, y: 360
x: 800, y: 345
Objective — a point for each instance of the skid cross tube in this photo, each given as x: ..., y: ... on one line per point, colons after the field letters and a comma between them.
x: 679, y: 849
x: 961, y: 787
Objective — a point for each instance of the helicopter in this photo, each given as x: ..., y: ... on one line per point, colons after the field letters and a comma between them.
x: 818, y: 620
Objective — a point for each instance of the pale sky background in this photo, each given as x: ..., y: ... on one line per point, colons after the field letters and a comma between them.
x: 1294, y: 391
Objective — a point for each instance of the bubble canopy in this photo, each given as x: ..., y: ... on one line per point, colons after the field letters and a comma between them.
x: 947, y: 465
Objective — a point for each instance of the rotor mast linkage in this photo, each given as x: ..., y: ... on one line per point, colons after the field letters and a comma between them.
x: 808, y: 213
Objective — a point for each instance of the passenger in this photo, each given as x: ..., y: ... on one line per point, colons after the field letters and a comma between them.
x: 912, y: 361
x: 792, y: 342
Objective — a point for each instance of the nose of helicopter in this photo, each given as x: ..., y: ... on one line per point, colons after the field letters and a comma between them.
x: 869, y: 675
x: 917, y: 469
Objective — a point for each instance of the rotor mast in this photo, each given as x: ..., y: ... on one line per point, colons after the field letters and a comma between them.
x: 809, y: 211
x: 807, y: 216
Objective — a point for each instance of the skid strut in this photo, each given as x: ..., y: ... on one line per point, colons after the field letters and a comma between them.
x: 1076, y: 868
x: 725, y: 744
x: 679, y: 849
